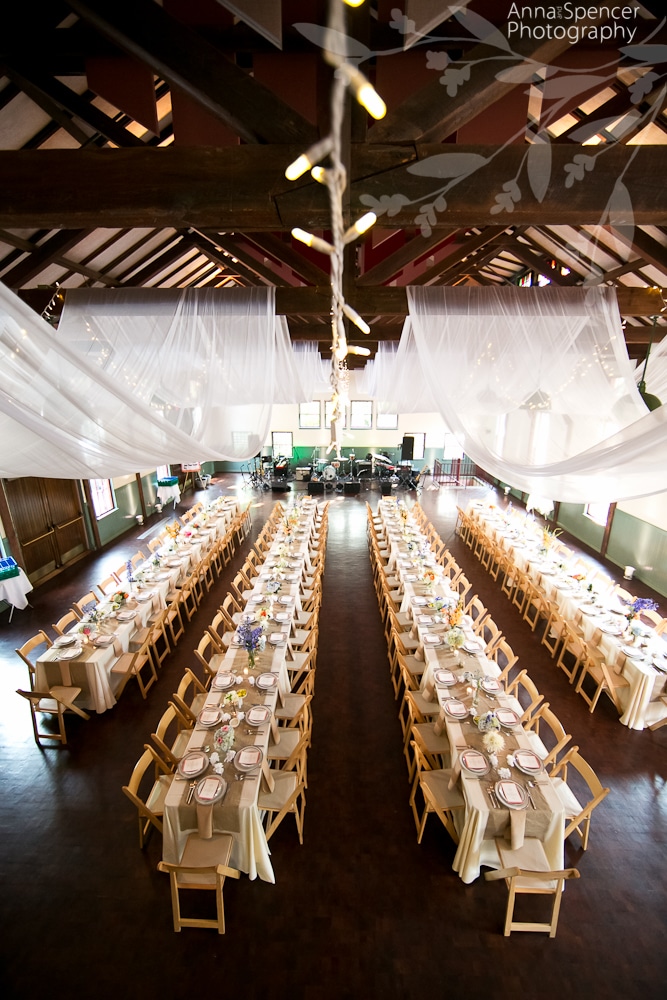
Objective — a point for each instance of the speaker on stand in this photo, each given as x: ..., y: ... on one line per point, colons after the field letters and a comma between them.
x: 407, y: 448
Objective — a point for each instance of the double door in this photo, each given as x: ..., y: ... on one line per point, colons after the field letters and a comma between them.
x: 48, y: 519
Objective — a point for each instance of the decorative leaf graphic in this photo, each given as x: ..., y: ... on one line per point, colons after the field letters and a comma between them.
x: 482, y: 29
x: 391, y: 204
x: 621, y: 217
x: 643, y: 86
x: 455, y: 78
x: 401, y: 22
x: 538, y: 168
x: 437, y: 60
x: 341, y: 45
x: 447, y: 165
x: 646, y: 53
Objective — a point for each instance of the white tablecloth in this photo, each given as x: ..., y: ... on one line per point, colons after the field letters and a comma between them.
x: 13, y: 590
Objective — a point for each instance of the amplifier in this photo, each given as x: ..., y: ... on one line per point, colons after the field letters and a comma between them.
x: 303, y: 474
x: 350, y: 489
x: 315, y: 489
x: 385, y: 489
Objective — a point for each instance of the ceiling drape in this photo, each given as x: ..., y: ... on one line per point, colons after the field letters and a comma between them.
x: 537, y: 387
x: 132, y: 380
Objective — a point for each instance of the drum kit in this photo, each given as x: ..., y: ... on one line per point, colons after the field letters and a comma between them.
x: 333, y: 475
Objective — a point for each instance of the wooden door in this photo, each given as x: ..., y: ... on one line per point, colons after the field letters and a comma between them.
x: 48, y: 519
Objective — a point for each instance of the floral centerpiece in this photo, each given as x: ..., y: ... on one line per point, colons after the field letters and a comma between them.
x: 548, y: 538
x: 437, y: 603
x: 428, y: 578
x: 273, y: 586
x: 223, y: 738
x: 235, y: 698
x: 455, y: 637
x: 638, y: 605
x: 119, y: 598
x: 252, y: 640
x: 173, y: 530
x: 454, y: 614
x: 493, y: 740
x: 487, y: 723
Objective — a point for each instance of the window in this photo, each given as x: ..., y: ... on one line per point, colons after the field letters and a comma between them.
x: 163, y: 471
x: 281, y: 442
x: 419, y: 445
x: 103, y: 497
x: 386, y: 421
x: 361, y: 414
x: 327, y: 414
x: 309, y: 415
x: 598, y: 512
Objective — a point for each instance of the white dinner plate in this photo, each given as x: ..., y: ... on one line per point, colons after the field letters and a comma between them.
x: 210, y: 717
x: 633, y: 652
x: 277, y: 638
x: 432, y: 640
x: 456, y: 709
x: 65, y: 640
x: 69, y: 653
x: 425, y: 619
x: 473, y: 646
x: 491, y: 685
x: 527, y: 761
x: 419, y: 602
x: 474, y: 762
x: 507, y: 717
x: 257, y: 715
x: 222, y: 680
x: 282, y: 616
x: 266, y: 682
x: 126, y: 616
x: 210, y: 789
x: 193, y: 764
x: 444, y: 678
x: 146, y: 595
x: 103, y: 640
x: 511, y: 794
x: 248, y: 758
x: 288, y: 599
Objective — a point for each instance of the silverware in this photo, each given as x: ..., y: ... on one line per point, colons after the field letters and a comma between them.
x: 191, y: 792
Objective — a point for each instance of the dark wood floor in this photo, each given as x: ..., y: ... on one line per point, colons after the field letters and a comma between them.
x: 360, y: 910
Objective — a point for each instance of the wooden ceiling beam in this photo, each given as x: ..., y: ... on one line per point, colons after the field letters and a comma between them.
x: 289, y: 255
x: 469, y: 246
x: 187, y: 60
x: 31, y: 79
x: 243, y: 188
x: 645, y: 247
x: 62, y: 261
x: 431, y: 114
x: 42, y: 256
x: 412, y: 250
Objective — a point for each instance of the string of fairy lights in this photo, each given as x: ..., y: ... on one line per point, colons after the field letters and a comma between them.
x: 347, y: 78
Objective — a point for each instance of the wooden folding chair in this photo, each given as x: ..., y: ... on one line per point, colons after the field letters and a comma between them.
x: 204, y: 866
x: 526, y: 870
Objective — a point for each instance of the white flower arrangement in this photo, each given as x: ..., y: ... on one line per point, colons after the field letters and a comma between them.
x: 493, y: 741
x: 223, y: 738
x: 455, y: 637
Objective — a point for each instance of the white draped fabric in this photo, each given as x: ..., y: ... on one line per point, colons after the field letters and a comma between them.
x: 538, y: 389
x: 135, y: 379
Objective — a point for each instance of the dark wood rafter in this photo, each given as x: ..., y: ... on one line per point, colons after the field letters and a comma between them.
x: 430, y: 115
x: 537, y: 260
x: 243, y: 188
x: 230, y: 267
x: 62, y: 261
x: 414, y: 248
x: 42, y: 256
x: 187, y: 60
x: 235, y: 245
x: 284, y: 252
x: 469, y: 246
x: 32, y: 80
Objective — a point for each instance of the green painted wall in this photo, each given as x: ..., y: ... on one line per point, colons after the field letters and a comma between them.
x: 637, y: 543
x: 571, y: 517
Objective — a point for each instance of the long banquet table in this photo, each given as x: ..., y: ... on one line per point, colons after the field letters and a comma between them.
x: 451, y: 674
x: 642, y: 661
x: 237, y: 812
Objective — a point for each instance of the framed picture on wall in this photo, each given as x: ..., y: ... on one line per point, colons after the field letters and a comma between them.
x: 386, y: 421
x: 309, y: 416
x: 361, y: 414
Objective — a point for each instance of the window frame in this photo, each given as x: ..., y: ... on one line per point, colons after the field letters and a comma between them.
x: 367, y: 425
x: 303, y: 423
x: 328, y: 405
x: 589, y: 512
x: 96, y: 492
x: 391, y: 423
x: 281, y: 453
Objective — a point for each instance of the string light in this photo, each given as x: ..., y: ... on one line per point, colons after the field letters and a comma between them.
x: 312, y: 241
x: 334, y: 176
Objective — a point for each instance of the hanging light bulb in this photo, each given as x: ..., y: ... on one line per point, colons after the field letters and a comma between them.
x: 363, y: 352
x: 362, y: 225
x: 312, y: 241
x: 353, y: 3
x: 308, y: 159
x: 364, y: 91
x: 355, y: 318
x: 319, y: 174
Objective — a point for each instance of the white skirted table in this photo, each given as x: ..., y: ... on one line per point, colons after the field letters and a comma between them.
x: 13, y: 590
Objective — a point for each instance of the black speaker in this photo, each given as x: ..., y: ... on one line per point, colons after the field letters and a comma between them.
x: 351, y: 489
x: 315, y: 489
x: 385, y: 488
x: 407, y: 449
x: 278, y: 486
